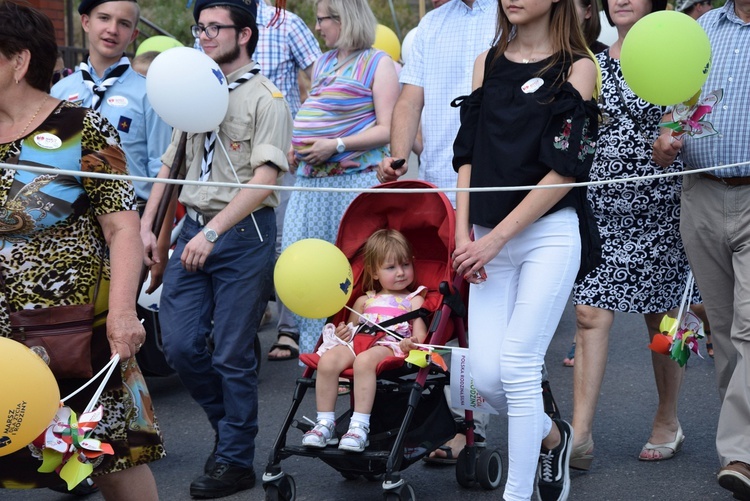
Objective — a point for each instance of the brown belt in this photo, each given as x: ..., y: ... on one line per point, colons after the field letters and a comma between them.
x: 729, y: 181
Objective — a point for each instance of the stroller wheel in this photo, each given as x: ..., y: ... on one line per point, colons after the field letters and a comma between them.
x: 281, y: 489
x: 489, y: 469
x: 405, y: 492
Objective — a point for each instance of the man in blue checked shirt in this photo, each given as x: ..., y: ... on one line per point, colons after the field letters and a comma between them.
x: 715, y: 228
x: 284, y: 49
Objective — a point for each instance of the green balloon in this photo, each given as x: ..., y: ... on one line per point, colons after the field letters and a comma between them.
x: 665, y: 58
x: 158, y: 43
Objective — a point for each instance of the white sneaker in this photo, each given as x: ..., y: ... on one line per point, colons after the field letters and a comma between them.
x: 321, y: 435
x: 355, y: 440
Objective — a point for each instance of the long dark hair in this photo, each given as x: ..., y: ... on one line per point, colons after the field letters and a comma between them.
x: 22, y: 27
x: 592, y: 27
x: 567, y: 39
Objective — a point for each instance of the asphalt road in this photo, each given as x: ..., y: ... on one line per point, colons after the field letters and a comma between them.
x: 622, y: 427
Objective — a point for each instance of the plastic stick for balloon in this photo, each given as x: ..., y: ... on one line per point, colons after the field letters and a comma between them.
x: 685, y: 298
x: 374, y: 323
x: 109, y: 368
x: 429, y: 347
x: 236, y: 178
x: 112, y: 365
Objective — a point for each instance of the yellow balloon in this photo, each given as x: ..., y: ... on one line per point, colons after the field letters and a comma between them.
x: 313, y: 278
x: 25, y: 409
x: 158, y: 43
x: 666, y: 57
x: 387, y: 41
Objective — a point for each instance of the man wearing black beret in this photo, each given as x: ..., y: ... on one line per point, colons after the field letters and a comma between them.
x: 219, y: 278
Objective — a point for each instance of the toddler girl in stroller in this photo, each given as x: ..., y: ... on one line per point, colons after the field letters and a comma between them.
x: 387, y: 281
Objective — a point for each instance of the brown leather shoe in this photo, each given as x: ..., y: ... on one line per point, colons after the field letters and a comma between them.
x: 735, y: 477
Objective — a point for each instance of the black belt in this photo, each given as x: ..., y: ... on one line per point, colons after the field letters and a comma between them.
x: 729, y: 181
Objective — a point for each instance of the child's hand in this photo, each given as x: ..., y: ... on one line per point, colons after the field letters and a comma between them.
x: 343, y: 332
x: 407, y: 345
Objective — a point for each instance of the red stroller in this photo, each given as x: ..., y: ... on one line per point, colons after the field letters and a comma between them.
x: 410, y: 417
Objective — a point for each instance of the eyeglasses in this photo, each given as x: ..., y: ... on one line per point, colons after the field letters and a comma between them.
x: 211, y: 31
x: 321, y: 19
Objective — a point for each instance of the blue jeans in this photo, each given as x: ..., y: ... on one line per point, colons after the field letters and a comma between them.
x: 224, y: 300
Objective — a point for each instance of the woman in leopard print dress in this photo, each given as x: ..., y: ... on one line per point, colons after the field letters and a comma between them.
x: 56, y: 233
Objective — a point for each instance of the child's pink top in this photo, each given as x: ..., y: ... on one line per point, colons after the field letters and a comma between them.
x: 377, y: 309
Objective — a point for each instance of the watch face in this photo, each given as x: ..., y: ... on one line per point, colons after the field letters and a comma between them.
x: 211, y: 235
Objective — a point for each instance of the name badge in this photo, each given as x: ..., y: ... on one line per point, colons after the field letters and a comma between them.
x: 117, y: 101
x: 532, y: 85
x: 47, y: 141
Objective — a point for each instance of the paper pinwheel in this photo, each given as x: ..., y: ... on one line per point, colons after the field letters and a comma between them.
x: 67, y: 448
x: 689, y: 117
x: 677, y: 340
x: 422, y: 358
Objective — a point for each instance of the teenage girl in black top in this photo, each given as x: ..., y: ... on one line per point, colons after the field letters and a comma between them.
x: 530, y: 121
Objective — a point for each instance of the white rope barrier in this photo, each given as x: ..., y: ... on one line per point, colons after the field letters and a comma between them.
x: 99, y: 175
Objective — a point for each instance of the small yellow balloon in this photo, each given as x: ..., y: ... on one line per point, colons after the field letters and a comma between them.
x: 25, y: 409
x: 313, y: 278
x: 387, y: 41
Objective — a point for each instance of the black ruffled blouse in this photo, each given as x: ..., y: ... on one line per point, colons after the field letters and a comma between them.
x: 513, y: 137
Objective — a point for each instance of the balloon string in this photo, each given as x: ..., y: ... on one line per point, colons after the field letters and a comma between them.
x: 109, y: 366
x: 374, y: 323
x: 237, y: 178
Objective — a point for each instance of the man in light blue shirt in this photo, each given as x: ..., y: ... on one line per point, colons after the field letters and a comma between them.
x: 439, y: 69
x: 715, y: 228
x: 110, y: 26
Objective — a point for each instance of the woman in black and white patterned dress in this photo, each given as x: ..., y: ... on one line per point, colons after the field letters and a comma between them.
x: 644, y: 267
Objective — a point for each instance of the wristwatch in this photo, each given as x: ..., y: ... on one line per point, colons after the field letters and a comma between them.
x: 340, y: 147
x: 210, y: 235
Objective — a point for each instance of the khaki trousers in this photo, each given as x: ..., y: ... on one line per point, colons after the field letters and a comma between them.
x: 715, y: 228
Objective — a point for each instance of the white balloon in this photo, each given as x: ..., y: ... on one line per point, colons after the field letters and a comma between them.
x: 187, y: 90
x: 608, y: 35
x: 406, y: 45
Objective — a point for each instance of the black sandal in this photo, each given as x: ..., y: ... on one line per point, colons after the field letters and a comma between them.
x: 293, y: 351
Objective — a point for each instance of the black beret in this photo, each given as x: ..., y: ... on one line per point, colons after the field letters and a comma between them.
x: 249, y: 6
x: 87, y: 5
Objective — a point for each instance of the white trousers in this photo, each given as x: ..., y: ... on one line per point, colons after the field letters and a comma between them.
x: 512, y: 317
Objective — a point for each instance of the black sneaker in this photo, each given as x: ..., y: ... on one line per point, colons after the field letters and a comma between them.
x: 553, y: 479
x: 223, y: 480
